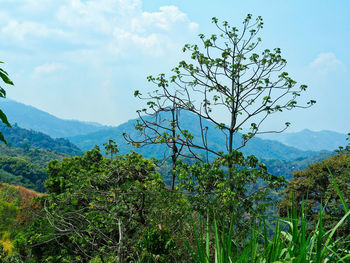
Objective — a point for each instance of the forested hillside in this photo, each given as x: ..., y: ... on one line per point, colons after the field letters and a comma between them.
x: 28, y: 139
x: 24, y: 160
x: 26, y: 167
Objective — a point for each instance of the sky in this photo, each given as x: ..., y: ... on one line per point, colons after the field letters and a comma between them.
x: 79, y: 59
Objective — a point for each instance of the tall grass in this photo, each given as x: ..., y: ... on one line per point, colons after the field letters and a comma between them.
x: 291, y: 241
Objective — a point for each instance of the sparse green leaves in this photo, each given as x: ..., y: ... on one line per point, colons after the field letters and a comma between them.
x: 136, y: 93
x: 4, y: 77
x: 4, y: 118
x: 6, y: 80
x: 214, y: 20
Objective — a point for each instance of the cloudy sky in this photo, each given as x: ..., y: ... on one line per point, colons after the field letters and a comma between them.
x: 82, y: 59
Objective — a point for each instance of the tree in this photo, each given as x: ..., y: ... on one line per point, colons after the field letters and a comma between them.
x: 163, y: 127
x: 98, y: 208
x: 6, y: 80
x: 226, y: 76
x: 346, y: 148
x: 247, y: 194
x: 314, y: 186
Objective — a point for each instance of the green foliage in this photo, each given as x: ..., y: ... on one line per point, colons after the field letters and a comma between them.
x: 8, y: 214
x: 118, y: 209
x: 96, y: 207
x: 223, y: 75
x: 345, y: 149
x: 216, y: 188
x: 37, y: 156
x: 6, y: 80
x: 289, y: 242
x: 102, y: 210
x: 155, y: 245
x: 26, y: 167
x: 22, y: 172
x: 315, y: 184
x: 16, y: 204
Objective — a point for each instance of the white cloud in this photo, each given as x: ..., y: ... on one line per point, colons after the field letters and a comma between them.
x: 120, y: 25
x: 36, y: 6
x: 97, y: 40
x: 168, y: 17
x: 48, y: 68
x: 327, y: 62
x: 193, y: 27
x: 90, y: 15
x: 21, y: 31
x: 125, y: 41
x: 3, y: 17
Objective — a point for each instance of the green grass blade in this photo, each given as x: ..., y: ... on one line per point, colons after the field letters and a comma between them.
x: 346, y: 207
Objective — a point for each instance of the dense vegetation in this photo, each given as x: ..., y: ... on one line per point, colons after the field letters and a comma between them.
x: 16, y: 202
x: 99, y: 209
x: 27, y: 166
x: 17, y: 171
x: 36, y: 156
x: 24, y: 159
x: 317, y: 186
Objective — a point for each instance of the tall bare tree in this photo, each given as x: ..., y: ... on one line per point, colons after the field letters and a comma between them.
x: 226, y: 76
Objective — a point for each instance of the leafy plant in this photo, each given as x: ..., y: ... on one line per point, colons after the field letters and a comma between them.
x: 225, y: 75
x: 322, y: 182
x: 155, y: 245
x: 289, y: 243
x: 6, y: 80
x: 215, y: 188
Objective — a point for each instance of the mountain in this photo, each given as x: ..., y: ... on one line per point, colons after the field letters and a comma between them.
x: 266, y: 149
x: 310, y: 140
x: 28, y: 139
x: 86, y: 135
x: 31, y: 118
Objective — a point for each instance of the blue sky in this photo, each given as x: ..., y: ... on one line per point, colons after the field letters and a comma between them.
x: 82, y: 60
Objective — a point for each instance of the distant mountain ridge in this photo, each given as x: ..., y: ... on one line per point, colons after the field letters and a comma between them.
x: 266, y: 149
x: 308, y: 140
x: 31, y: 118
x: 284, y: 146
x: 25, y: 165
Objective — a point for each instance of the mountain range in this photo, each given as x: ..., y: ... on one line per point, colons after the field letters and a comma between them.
x: 86, y: 135
x: 31, y: 118
x: 310, y: 140
x: 23, y: 162
x: 267, y: 149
